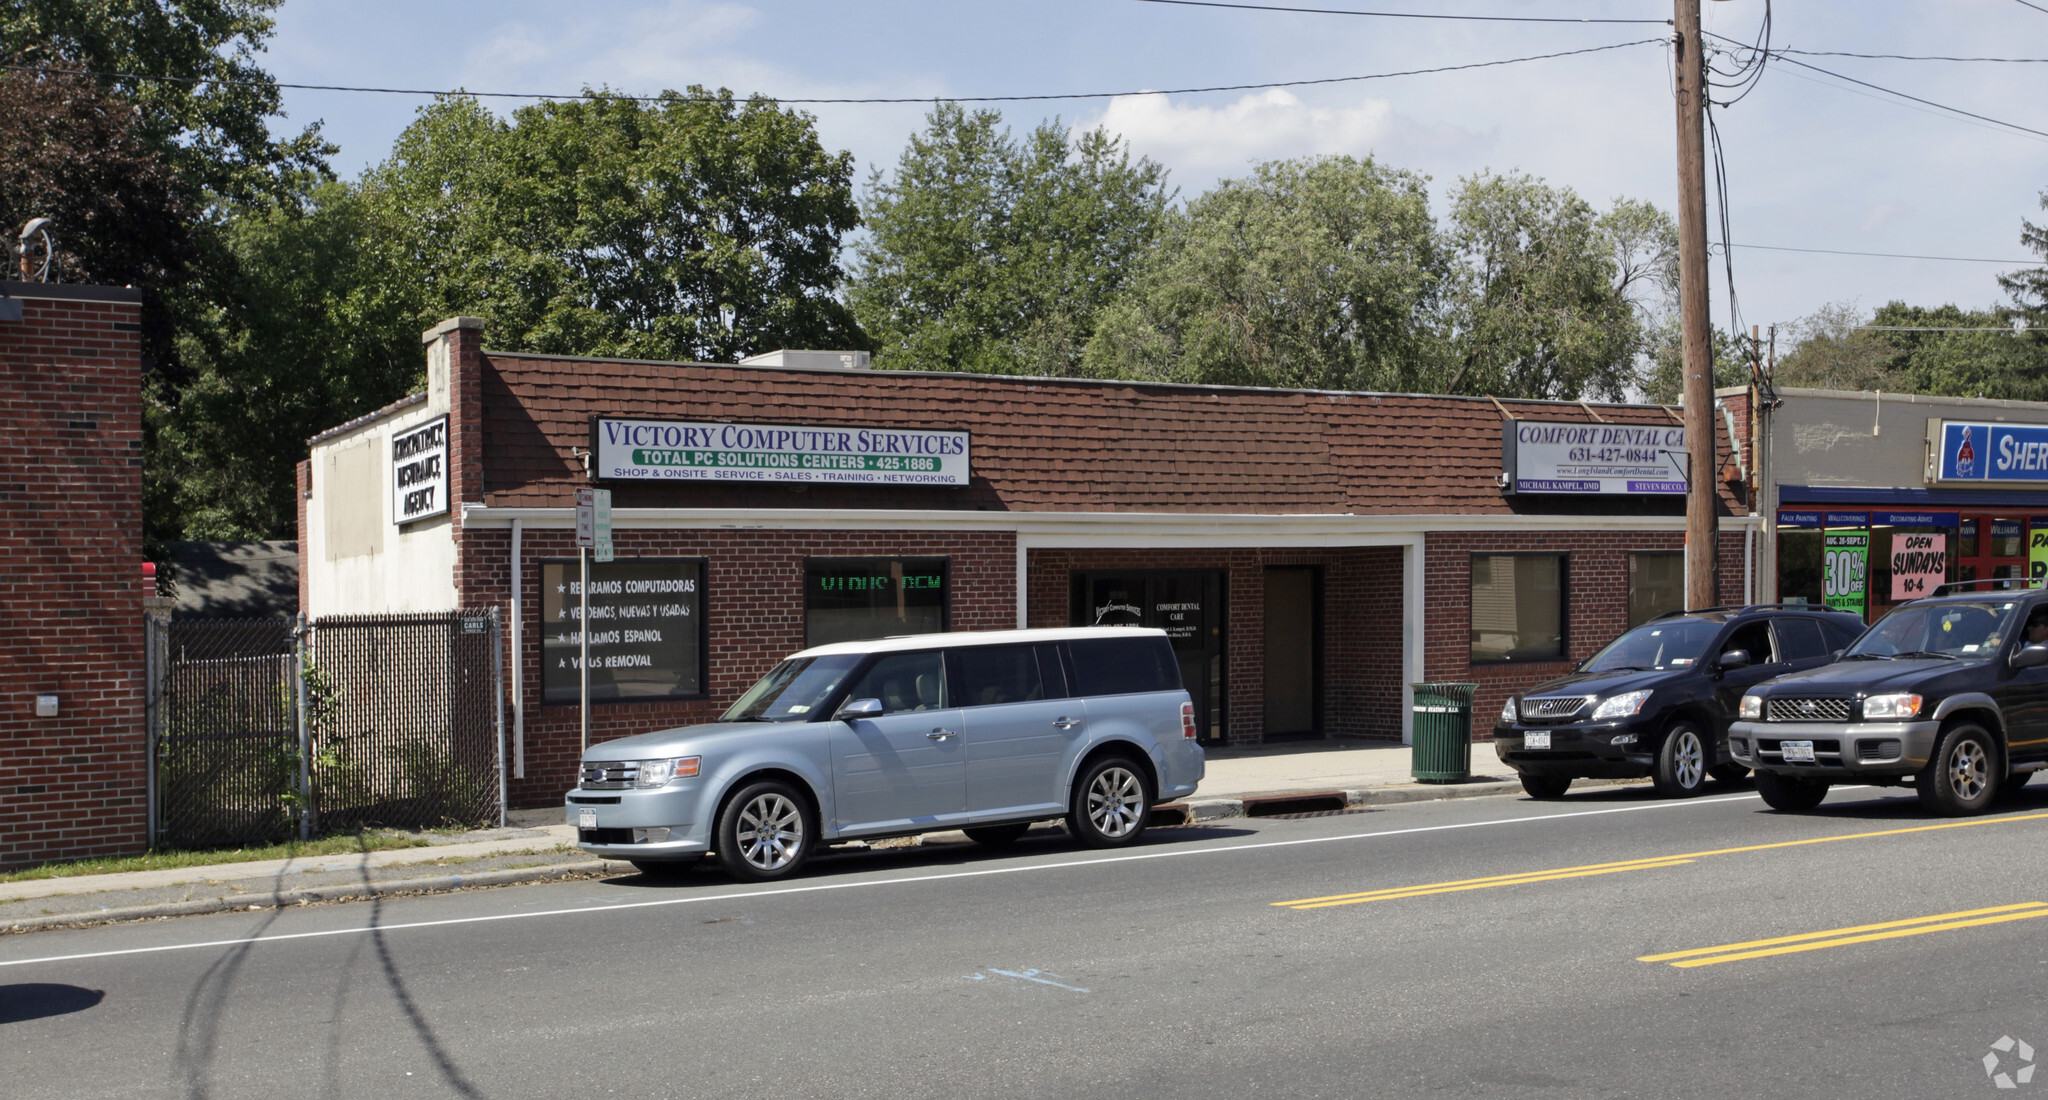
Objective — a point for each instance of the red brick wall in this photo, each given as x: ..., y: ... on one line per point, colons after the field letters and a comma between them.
x: 1596, y: 595
x: 1361, y: 626
x: 753, y: 600
x: 70, y: 598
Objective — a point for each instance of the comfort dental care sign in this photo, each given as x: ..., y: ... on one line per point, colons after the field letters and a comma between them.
x: 688, y: 450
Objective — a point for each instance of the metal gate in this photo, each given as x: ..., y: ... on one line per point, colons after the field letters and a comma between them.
x: 262, y: 728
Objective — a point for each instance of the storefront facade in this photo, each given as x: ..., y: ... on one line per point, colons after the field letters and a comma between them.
x: 1874, y: 499
x: 1309, y: 554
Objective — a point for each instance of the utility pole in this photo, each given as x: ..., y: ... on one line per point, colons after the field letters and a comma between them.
x: 1702, y: 543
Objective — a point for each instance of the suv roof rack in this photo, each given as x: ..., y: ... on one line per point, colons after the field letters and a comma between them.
x: 2021, y: 583
x: 1744, y: 607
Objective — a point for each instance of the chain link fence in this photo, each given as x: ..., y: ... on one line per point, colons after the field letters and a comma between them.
x: 261, y: 729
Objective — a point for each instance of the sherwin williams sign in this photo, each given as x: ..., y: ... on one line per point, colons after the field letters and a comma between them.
x: 688, y: 450
x: 1975, y: 453
x: 1544, y: 457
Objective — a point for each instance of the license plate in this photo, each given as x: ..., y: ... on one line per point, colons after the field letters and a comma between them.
x: 586, y: 819
x: 1536, y: 740
x: 1797, y: 751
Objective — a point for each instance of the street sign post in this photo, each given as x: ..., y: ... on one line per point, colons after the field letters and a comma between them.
x: 601, y: 524
x: 586, y: 537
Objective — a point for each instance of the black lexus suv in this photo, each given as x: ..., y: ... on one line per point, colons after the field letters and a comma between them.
x: 1658, y: 700
x: 1943, y: 693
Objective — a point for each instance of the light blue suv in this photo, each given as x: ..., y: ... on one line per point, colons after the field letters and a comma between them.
x: 986, y: 732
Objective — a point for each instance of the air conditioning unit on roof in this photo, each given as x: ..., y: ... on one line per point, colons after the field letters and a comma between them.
x: 816, y: 360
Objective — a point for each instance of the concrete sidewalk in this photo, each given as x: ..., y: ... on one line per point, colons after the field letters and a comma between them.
x: 537, y: 846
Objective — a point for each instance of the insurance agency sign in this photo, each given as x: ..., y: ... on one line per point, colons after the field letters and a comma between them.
x: 1977, y: 453
x: 688, y: 450
x: 419, y: 472
x: 1545, y: 457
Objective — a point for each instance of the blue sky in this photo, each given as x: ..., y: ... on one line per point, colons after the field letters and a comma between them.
x: 1812, y: 163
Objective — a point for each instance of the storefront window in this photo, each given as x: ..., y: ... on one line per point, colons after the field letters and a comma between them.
x: 646, y: 630
x: 1517, y: 607
x: 851, y: 599
x: 1656, y: 584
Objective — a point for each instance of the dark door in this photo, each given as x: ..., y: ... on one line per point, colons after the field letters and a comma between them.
x: 1293, y: 655
x: 1765, y: 662
x: 1188, y: 605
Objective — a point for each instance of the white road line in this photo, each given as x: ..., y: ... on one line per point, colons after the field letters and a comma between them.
x: 866, y: 883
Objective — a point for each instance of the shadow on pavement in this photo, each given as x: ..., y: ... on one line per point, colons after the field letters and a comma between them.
x: 830, y: 862
x: 37, y: 1000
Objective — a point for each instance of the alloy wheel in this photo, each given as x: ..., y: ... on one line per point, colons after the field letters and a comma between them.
x: 1116, y: 802
x: 771, y: 830
x: 1692, y: 759
x: 1968, y: 770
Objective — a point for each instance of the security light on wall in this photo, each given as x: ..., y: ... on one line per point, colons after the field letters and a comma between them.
x: 35, y: 238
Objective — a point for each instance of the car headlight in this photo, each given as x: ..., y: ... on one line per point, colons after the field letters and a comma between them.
x: 1620, y: 706
x: 1891, y: 706
x: 1508, y: 712
x: 655, y: 773
x: 1751, y: 707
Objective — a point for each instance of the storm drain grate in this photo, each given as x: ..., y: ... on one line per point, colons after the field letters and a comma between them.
x: 1323, y: 813
x: 1293, y: 805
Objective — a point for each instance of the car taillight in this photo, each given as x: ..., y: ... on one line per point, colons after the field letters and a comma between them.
x: 1187, y: 720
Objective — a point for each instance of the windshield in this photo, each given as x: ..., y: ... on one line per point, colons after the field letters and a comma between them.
x: 793, y: 690
x: 1666, y: 643
x: 1953, y: 629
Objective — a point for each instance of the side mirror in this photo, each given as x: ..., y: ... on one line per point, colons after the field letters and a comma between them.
x: 2033, y: 656
x: 860, y: 708
x: 1734, y: 658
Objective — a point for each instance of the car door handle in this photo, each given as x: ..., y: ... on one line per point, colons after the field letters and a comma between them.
x: 1065, y: 723
x: 941, y: 734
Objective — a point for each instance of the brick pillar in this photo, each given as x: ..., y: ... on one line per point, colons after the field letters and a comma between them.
x: 460, y: 355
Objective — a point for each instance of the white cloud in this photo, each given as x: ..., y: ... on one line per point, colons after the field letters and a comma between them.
x: 1258, y: 126
x: 1881, y: 215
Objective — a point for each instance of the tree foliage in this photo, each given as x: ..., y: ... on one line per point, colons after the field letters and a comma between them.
x: 1542, y: 303
x: 1946, y: 351
x: 76, y: 154
x: 2029, y: 287
x: 993, y: 255
x: 1322, y: 273
x: 694, y: 227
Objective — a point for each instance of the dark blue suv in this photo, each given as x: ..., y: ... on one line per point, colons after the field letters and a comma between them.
x: 1658, y: 700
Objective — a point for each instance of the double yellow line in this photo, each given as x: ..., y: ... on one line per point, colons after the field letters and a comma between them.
x: 1458, y: 885
x: 1845, y: 937
x: 1646, y: 864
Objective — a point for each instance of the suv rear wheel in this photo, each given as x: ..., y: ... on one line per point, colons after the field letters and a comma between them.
x: 1784, y: 792
x: 1682, y: 762
x: 1962, y: 778
x: 1109, y: 803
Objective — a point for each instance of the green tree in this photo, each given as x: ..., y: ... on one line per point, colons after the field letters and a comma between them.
x: 986, y: 254
x: 1946, y: 351
x: 1321, y: 272
x: 2029, y: 287
x: 1543, y: 306
x: 693, y: 227
x: 1664, y: 372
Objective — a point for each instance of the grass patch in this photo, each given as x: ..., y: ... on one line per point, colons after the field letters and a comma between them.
x: 171, y: 858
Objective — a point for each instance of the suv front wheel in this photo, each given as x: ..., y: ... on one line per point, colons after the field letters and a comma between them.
x: 1962, y: 776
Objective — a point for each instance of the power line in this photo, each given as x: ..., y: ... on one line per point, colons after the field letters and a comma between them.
x: 1780, y: 55
x: 2031, y: 4
x: 1910, y: 56
x: 1398, y: 14
x: 1884, y: 255
x: 851, y: 100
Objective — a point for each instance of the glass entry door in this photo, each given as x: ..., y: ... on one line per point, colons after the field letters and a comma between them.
x: 1991, y: 547
x: 1187, y: 604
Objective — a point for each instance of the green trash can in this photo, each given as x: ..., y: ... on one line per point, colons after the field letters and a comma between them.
x: 1443, y: 733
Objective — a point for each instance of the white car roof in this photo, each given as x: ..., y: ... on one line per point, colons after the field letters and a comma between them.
x: 980, y: 637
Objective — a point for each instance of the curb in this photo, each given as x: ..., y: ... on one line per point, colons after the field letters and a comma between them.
x: 438, y: 884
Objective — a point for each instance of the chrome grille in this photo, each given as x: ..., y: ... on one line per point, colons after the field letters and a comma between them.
x: 614, y: 775
x: 1553, y: 709
x: 1805, y: 709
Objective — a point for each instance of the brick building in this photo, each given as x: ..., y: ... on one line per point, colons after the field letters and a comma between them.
x: 72, y: 742
x: 1310, y: 553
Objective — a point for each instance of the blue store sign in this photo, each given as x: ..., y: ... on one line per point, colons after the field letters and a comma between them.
x: 1994, y: 454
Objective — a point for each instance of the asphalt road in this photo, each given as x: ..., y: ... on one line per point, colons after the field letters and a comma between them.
x: 1482, y: 947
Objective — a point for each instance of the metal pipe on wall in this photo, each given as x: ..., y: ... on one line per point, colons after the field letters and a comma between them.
x: 518, y: 684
